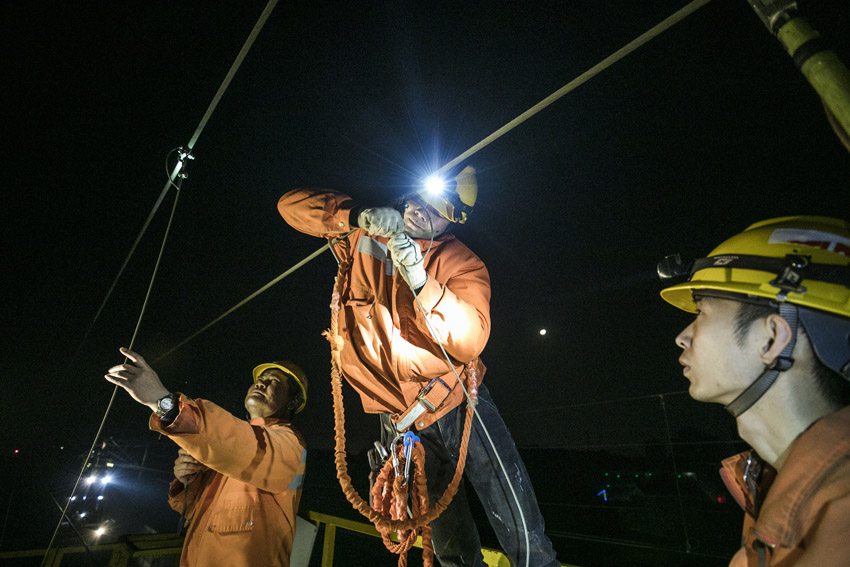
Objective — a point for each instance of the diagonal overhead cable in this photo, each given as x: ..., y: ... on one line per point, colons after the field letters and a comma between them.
x: 581, y: 79
x: 656, y: 30
x: 213, y: 104
x: 176, y: 174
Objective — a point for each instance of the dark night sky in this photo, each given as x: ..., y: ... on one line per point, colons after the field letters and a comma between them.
x: 687, y: 141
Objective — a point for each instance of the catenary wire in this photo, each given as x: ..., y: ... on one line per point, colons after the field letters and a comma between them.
x: 664, y: 25
x: 590, y: 73
x: 115, y: 388
x: 581, y: 79
x: 168, y: 184
x: 593, y: 71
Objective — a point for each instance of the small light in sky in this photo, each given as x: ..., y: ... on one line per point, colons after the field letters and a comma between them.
x: 110, y: 464
x: 100, y: 531
x: 100, y: 497
x: 434, y: 185
x: 73, y: 498
x: 82, y: 514
x: 91, y: 479
x: 542, y: 332
x: 17, y: 451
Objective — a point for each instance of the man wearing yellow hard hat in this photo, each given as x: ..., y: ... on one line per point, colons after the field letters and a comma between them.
x: 238, y: 483
x: 771, y: 342
x: 405, y: 271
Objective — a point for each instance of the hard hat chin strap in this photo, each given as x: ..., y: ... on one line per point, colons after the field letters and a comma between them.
x: 783, y: 362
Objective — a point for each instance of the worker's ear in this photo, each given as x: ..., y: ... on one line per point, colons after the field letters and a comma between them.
x: 777, y: 335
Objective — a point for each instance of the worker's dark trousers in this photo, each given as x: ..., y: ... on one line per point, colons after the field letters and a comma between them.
x: 455, y: 537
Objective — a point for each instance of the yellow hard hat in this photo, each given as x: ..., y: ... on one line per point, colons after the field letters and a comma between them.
x: 804, y: 260
x: 455, y: 203
x: 290, y: 369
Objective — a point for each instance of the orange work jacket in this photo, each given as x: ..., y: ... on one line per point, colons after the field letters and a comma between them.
x: 242, y: 506
x: 804, y: 516
x: 389, y: 353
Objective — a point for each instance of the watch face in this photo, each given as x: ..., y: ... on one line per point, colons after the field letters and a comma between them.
x: 166, y: 403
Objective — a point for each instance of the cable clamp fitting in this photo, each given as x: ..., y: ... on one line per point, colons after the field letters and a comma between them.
x: 183, y: 155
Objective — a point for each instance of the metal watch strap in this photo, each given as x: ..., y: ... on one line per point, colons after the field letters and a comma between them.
x: 160, y: 412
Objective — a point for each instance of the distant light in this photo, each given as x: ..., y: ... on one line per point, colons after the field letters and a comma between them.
x: 721, y: 499
x: 435, y: 185
x: 100, y: 497
x: 82, y: 514
x: 100, y: 531
x: 542, y: 332
x: 91, y: 479
x: 73, y: 498
x: 110, y: 464
x: 17, y: 451
x: 106, y: 479
x: 604, y: 494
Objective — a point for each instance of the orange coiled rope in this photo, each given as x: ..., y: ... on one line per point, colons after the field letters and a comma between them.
x: 389, y: 498
x: 390, y: 521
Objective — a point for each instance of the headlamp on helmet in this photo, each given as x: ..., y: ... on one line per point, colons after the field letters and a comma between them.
x: 454, y: 199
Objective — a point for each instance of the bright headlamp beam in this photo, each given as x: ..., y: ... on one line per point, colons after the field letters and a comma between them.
x: 435, y: 185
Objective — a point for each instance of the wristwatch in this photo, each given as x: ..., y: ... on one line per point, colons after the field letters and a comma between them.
x: 165, y: 405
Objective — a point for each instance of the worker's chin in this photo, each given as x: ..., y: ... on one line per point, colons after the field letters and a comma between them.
x: 416, y: 232
x: 257, y: 406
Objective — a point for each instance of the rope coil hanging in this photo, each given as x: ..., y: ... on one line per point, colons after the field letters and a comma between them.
x: 388, y: 517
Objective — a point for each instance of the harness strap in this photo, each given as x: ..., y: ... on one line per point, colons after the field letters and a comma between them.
x: 431, y: 398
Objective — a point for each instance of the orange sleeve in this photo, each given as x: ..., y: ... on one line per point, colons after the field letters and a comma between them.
x: 270, y: 458
x: 459, y: 309
x: 317, y: 212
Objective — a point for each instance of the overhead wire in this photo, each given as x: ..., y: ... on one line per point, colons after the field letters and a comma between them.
x: 177, y: 173
x: 584, y: 77
x: 200, y: 128
x: 653, y: 32
x: 622, y: 52
x: 115, y: 388
x: 593, y: 71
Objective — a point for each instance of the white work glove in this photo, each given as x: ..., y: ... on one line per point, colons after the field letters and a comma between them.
x: 407, y: 257
x: 381, y: 221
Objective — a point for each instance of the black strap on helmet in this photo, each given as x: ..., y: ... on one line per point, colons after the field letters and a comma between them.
x: 781, y: 363
x: 790, y: 271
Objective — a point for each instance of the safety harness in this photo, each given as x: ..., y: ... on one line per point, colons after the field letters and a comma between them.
x: 391, y: 489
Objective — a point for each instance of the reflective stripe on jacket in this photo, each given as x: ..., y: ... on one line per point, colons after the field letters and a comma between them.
x: 242, y: 508
x: 389, y: 353
x: 804, y: 517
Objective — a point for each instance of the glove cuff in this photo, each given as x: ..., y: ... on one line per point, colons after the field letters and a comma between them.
x: 353, y: 216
